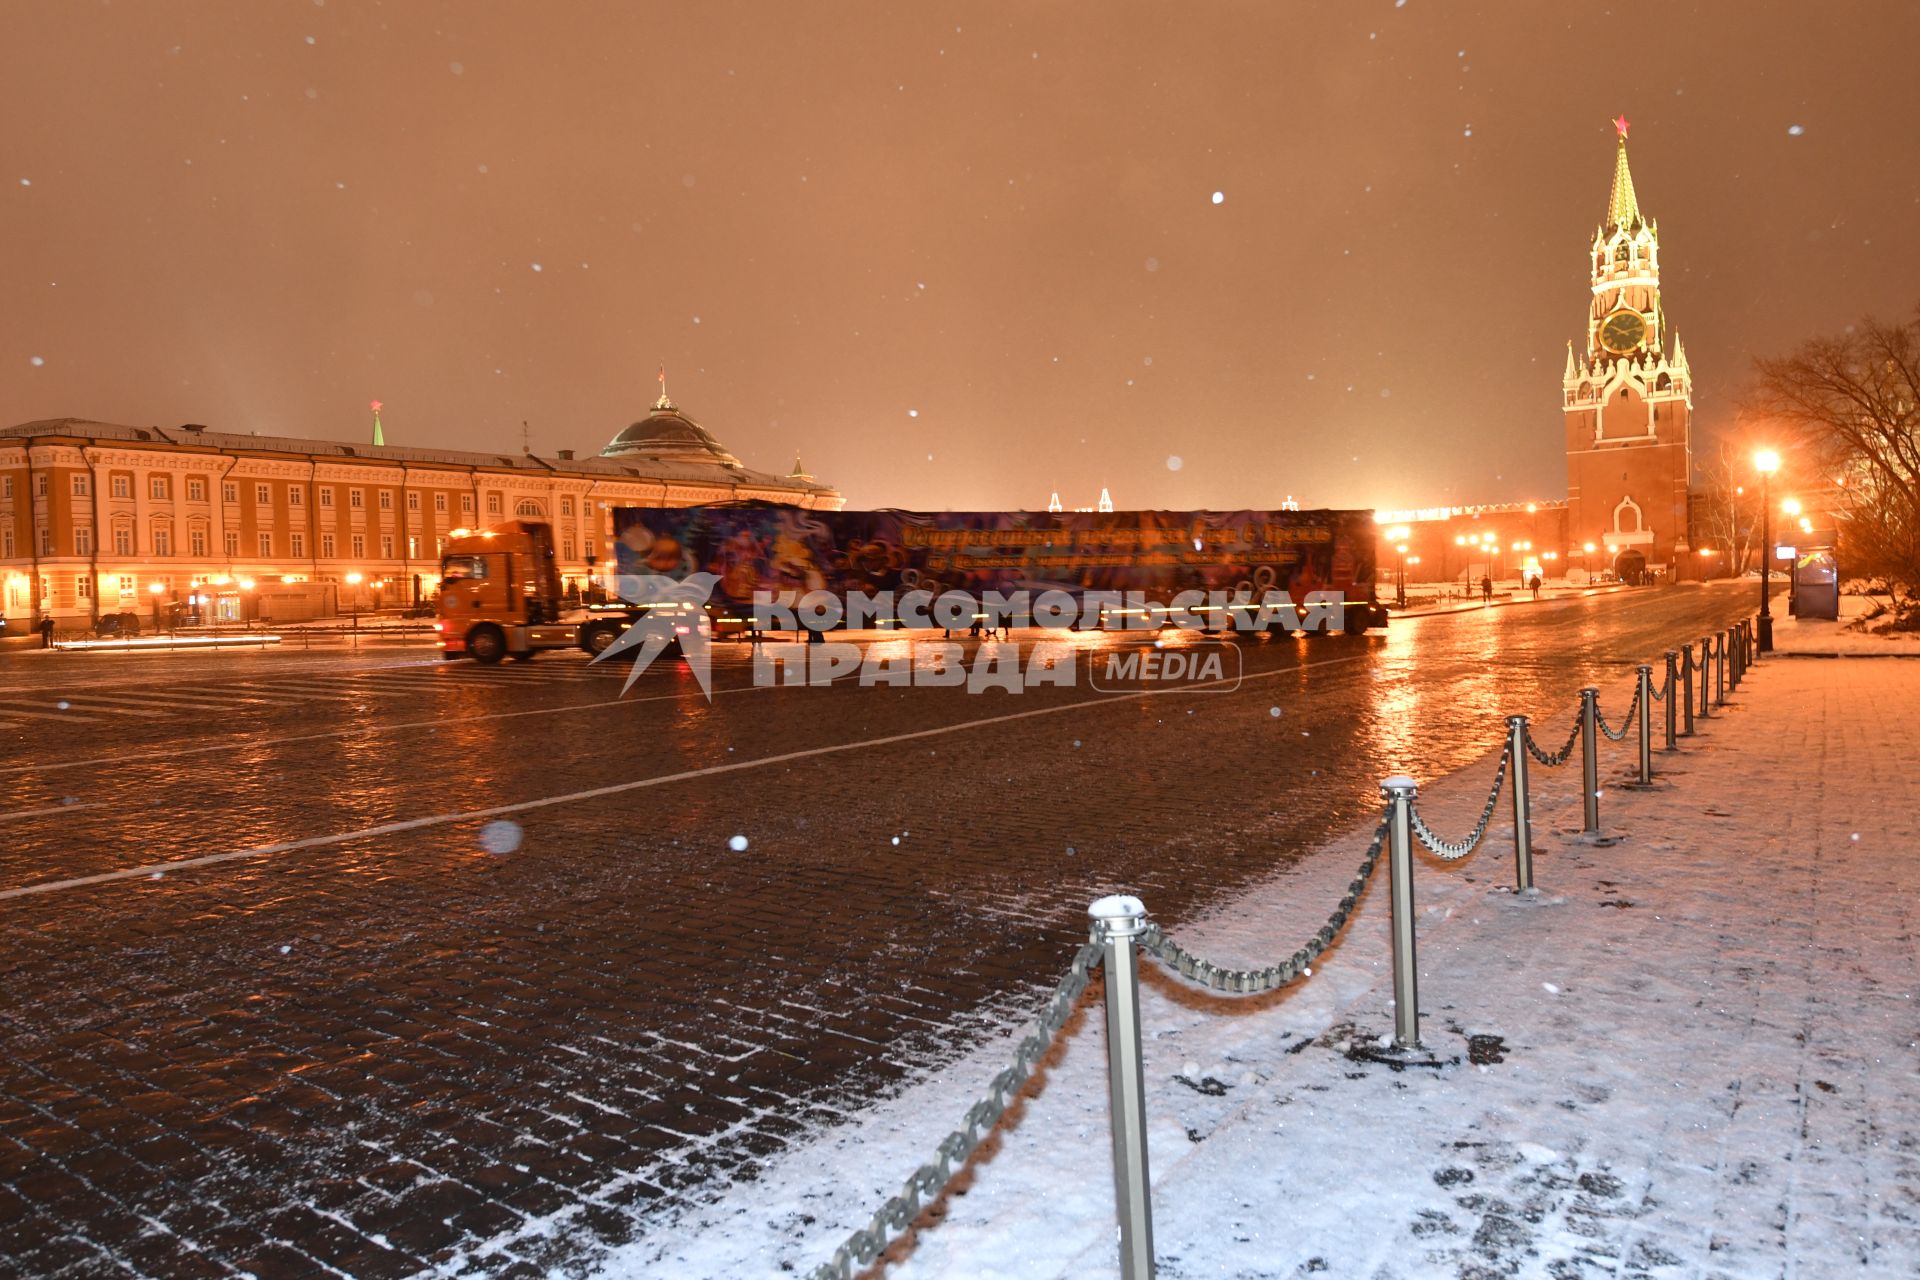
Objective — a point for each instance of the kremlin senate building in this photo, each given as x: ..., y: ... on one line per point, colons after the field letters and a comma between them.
x: 225, y: 526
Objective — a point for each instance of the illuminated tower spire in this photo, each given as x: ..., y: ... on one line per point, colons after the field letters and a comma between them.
x: 663, y: 402
x: 379, y: 436
x: 1623, y: 210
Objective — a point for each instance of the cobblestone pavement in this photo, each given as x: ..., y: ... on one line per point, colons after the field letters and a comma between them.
x: 366, y: 1023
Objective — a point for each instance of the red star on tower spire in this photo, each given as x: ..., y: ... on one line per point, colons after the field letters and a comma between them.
x: 1620, y: 124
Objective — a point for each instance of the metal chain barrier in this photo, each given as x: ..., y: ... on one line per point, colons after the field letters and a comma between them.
x: 1559, y: 757
x: 1450, y: 850
x: 1625, y: 725
x: 1273, y: 976
x: 929, y: 1180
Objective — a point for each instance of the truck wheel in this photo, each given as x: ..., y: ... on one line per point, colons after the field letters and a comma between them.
x: 487, y: 644
x: 599, y: 638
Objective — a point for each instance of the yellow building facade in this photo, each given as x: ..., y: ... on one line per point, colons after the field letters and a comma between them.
x: 185, y: 522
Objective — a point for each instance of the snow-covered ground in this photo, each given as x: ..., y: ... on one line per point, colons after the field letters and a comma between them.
x: 1692, y: 1053
x: 1845, y: 636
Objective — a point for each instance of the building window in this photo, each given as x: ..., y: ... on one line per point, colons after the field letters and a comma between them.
x: 231, y: 541
x: 40, y: 490
x: 466, y: 502
x: 439, y: 502
x: 196, y: 489
x: 266, y: 544
x: 591, y: 548
x: 122, y: 487
x: 83, y: 542
x: 123, y: 540
x: 386, y: 546
x: 326, y: 546
x: 197, y: 540
x: 356, y: 498
x: 157, y: 487
x: 79, y: 486
x: 46, y: 548
x: 566, y: 506
x: 83, y: 586
x: 6, y: 486
x: 163, y: 542
x: 6, y: 544
x: 413, y: 501
x: 528, y: 507
x: 297, y: 545
x: 126, y: 585
x: 440, y: 546
x: 296, y: 496
x: 566, y: 548
x: 386, y: 499
x: 359, y: 546
x: 263, y: 494
x: 326, y: 496
x: 230, y: 491
x: 413, y: 547
x: 493, y: 504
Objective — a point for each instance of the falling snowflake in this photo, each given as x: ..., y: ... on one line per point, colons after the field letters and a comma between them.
x: 1219, y: 196
x: 538, y: 267
x: 1153, y: 264
x: 1794, y: 130
x: 26, y: 182
x: 35, y: 361
x: 913, y: 413
x: 1273, y: 711
x: 738, y: 844
x: 501, y: 836
x: 1175, y: 462
x: 458, y: 68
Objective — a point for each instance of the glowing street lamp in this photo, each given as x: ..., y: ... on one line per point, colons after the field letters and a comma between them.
x: 354, y: 580
x: 1766, y: 462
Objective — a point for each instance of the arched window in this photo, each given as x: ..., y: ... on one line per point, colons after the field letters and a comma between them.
x: 529, y: 507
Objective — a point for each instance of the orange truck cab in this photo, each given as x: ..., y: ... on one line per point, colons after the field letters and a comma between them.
x: 500, y: 594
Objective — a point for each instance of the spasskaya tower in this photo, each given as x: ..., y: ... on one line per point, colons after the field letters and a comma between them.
x: 1628, y: 401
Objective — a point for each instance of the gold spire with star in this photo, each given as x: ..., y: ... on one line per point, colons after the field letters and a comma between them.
x: 1623, y: 209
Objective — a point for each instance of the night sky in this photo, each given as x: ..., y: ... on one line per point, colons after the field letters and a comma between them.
x: 954, y: 255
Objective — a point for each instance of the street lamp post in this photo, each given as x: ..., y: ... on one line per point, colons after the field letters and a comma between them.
x: 354, y: 580
x: 1791, y: 507
x: 1398, y: 536
x: 1766, y: 462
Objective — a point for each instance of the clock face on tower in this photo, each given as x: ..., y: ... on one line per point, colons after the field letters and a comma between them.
x: 1622, y: 331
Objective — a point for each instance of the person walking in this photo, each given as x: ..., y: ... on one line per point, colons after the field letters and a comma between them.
x: 1486, y: 589
x: 46, y: 631
x: 1535, y: 584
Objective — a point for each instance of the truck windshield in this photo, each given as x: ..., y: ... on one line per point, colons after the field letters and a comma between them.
x: 457, y: 568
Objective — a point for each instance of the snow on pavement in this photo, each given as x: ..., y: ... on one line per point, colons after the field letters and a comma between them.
x: 1691, y: 1053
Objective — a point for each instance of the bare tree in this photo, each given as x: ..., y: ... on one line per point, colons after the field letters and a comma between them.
x: 1725, y: 515
x: 1854, y: 402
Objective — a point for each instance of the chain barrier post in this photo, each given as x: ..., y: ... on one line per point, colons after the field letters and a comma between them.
x: 1706, y: 676
x: 1400, y: 791
x: 1739, y: 657
x: 1686, y: 685
x: 1522, y: 804
x: 1117, y: 921
x: 1645, y: 696
x: 1590, y: 760
x: 1753, y: 649
x: 1673, y: 712
x: 1720, y: 674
